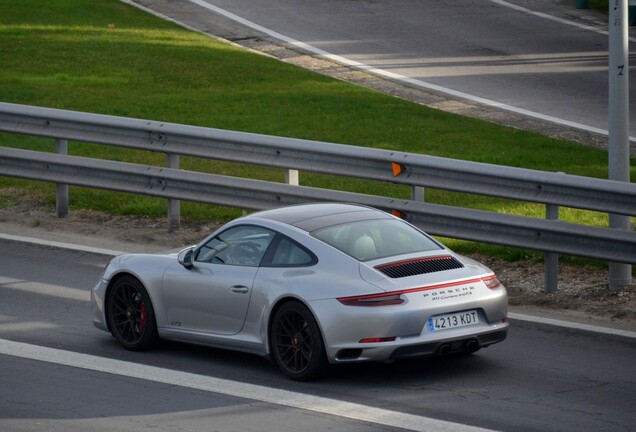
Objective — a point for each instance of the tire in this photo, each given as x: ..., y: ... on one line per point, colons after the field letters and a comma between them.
x: 130, y: 316
x: 296, y: 343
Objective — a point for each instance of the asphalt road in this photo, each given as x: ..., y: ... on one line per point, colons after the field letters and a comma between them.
x: 483, y: 50
x: 543, y: 378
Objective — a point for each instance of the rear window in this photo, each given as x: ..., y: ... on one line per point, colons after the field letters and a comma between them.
x: 372, y: 239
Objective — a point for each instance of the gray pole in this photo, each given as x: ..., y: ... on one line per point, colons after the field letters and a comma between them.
x: 619, y: 274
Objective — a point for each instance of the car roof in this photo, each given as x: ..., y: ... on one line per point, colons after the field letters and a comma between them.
x: 311, y: 217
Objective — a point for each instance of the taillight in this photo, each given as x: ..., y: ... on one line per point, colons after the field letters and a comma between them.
x: 491, y: 282
x: 373, y: 300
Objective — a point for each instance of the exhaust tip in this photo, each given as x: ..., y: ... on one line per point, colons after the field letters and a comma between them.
x: 444, y: 349
x: 348, y: 354
x: 472, y: 346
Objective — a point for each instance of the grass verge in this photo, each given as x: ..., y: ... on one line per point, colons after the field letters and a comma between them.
x: 104, y: 56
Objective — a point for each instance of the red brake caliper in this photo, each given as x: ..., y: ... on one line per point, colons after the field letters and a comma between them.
x: 294, y: 343
x: 142, y: 318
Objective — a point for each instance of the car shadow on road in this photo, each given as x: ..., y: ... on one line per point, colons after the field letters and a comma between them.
x: 253, y: 369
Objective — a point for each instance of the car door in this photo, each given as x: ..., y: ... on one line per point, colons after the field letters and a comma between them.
x: 213, y: 296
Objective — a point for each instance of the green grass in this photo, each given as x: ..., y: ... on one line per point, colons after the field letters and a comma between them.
x: 106, y: 57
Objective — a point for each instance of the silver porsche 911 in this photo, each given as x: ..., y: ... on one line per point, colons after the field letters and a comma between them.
x: 308, y: 286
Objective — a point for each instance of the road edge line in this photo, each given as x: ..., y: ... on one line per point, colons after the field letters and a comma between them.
x: 61, y: 245
x: 572, y: 325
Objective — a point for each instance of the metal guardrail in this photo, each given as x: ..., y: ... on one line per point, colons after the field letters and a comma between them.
x: 470, y: 224
x: 551, y: 236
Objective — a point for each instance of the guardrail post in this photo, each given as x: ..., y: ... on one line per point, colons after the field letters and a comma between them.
x: 61, y: 189
x: 174, y: 205
x: 551, y: 260
x: 620, y: 274
x: 291, y: 177
x: 418, y: 193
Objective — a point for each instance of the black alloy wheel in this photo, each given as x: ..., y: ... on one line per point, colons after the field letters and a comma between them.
x: 296, y: 343
x: 131, y: 318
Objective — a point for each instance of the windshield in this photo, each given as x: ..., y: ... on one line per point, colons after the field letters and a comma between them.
x: 372, y: 239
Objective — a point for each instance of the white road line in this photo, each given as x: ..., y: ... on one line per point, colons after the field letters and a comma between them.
x: 302, y: 401
x: 45, y: 289
x: 40, y: 242
x: 400, y: 78
x: 554, y: 18
x: 572, y: 325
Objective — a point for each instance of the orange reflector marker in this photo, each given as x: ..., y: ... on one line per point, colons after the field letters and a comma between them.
x: 397, y: 169
x: 397, y: 213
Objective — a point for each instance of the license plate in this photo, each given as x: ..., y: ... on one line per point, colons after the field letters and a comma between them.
x: 453, y: 320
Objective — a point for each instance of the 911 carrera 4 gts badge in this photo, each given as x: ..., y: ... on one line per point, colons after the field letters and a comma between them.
x: 447, y: 293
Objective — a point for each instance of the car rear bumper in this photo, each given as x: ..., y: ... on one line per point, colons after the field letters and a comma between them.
x: 465, y: 344
x: 401, y: 350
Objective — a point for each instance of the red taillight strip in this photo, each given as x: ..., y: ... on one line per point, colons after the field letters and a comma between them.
x: 353, y: 299
x: 376, y: 340
x: 397, y: 263
x: 382, y: 300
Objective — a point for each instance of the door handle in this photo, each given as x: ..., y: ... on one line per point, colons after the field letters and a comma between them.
x: 239, y: 289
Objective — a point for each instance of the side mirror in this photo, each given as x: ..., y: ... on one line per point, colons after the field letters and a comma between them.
x: 186, y: 258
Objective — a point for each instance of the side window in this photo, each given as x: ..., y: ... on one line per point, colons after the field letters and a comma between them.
x: 243, y: 245
x: 288, y: 253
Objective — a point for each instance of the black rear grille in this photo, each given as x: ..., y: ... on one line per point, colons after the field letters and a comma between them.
x: 419, y: 266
